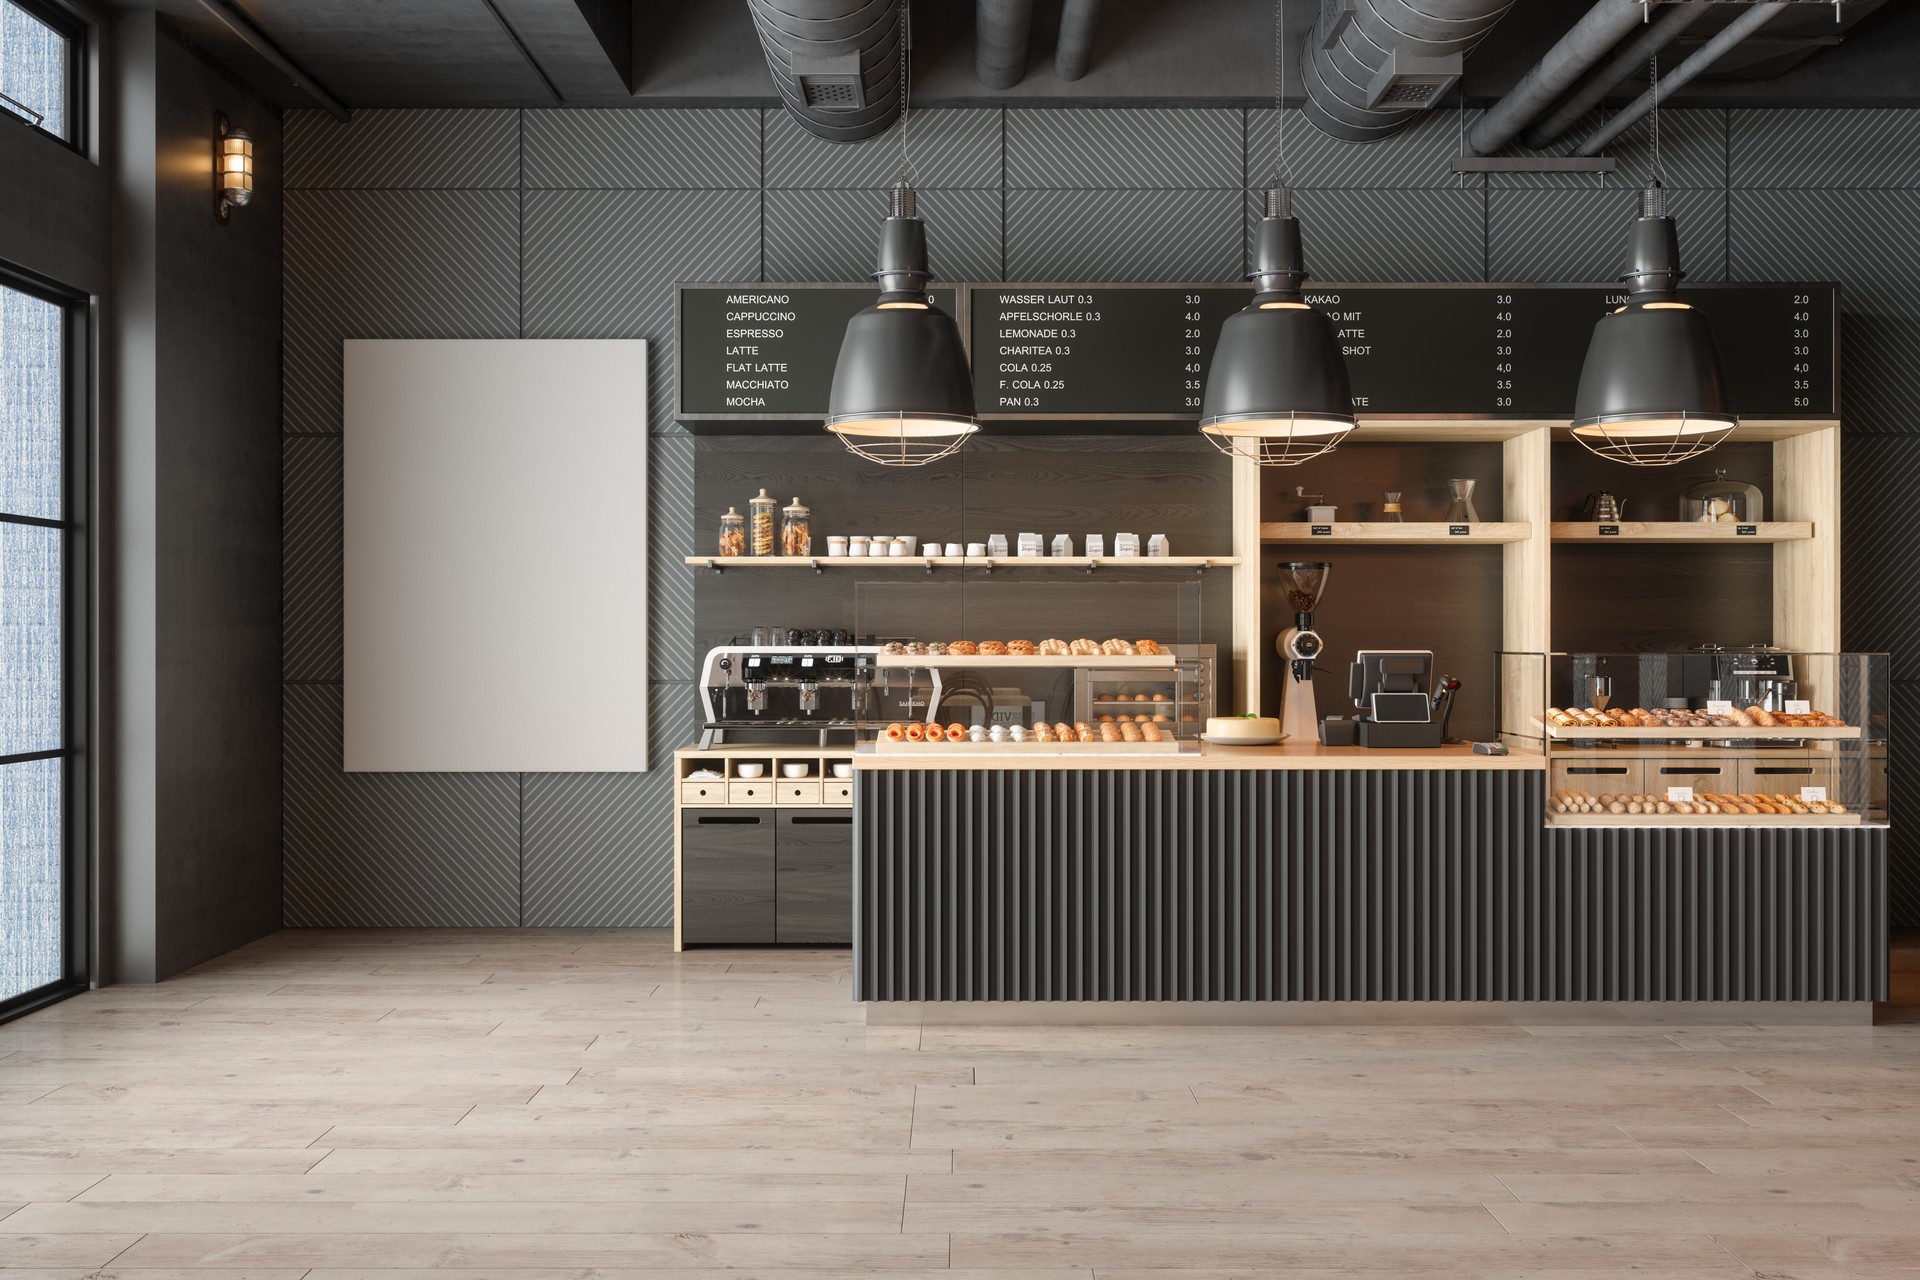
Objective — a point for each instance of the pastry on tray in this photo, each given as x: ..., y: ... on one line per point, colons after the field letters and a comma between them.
x: 993, y: 648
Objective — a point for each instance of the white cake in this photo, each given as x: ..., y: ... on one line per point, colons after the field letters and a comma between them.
x: 1242, y: 729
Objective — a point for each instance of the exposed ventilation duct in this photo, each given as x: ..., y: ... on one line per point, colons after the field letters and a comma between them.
x: 1000, y: 32
x: 1749, y: 21
x: 836, y: 63
x: 1591, y: 39
x: 1628, y: 62
x: 1374, y: 65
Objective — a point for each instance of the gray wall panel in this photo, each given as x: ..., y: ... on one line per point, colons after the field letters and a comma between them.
x: 1019, y: 193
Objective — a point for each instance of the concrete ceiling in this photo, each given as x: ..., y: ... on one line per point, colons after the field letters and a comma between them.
x: 536, y: 53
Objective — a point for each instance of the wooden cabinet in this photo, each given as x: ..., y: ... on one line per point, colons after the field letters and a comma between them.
x: 774, y: 876
x: 727, y: 876
x: 813, y: 854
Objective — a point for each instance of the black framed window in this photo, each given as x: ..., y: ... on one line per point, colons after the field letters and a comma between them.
x: 43, y: 635
x: 42, y: 68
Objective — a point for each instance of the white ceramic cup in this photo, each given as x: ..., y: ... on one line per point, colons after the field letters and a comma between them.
x: 901, y: 547
x: 749, y: 769
x: 836, y: 545
x: 857, y: 545
x: 954, y: 549
x: 795, y: 769
x: 843, y: 768
x: 976, y: 548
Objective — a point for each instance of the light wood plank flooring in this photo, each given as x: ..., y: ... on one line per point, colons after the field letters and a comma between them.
x: 590, y: 1106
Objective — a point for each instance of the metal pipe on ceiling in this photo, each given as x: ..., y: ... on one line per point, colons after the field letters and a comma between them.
x: 1373, y: 66
x: 1001, y: 30
x: 1591, y: 39
x: 836, y: 63
x: 1630, y: 61
x: 1696, y: 62
x: 1074, y: 50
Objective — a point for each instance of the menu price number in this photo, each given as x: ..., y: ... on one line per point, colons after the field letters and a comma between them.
x: 1503, y: 351
x: 1190, y: 350
x: 1802, y: 350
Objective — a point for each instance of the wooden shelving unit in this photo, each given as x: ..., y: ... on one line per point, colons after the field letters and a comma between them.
x: 822, y: 564
x: 1412, y: 533
x: 1683, y: 531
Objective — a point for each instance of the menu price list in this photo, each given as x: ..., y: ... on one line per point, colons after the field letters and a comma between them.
x: 767, y: 350
x: 1125, y: 351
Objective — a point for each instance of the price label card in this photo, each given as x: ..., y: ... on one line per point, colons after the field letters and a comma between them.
x: 1677, y: 794
x: 1321, y: 530
x: 1718, y: 707
x: 1609, y: 530
x: 1798, y: 707
x: 1459, y: 530
x: 1809, y: 794
x: 1746, y: 531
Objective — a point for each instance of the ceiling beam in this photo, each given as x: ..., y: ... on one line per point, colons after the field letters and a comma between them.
x: 262, y: 44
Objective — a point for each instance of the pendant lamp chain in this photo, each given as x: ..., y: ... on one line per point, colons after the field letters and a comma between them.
x: 1280, y: 197
x: 906, y: 97
x: 1653, y: 79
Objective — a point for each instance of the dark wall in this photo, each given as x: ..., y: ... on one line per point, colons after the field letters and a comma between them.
x: 499, y: 223
x: 191, y: 612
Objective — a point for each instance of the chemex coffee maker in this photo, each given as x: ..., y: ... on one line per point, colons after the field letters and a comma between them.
x: 808, y: 683
x: 1303, y: 581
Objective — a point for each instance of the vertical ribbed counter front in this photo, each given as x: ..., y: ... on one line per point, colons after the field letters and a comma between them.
x: 1039, y: 883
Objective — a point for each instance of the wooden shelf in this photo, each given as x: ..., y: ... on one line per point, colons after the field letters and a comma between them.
x: 823, y: 563
x: 925, y: 661
x: 1411, y: 533
x: 1703, y: 819
x: 1710, y: 733
x: 1684, y: 531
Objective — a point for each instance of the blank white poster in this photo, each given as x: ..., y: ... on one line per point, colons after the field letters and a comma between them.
x: 496, y: 556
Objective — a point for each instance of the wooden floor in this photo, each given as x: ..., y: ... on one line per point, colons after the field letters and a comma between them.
x: 513, y: 1106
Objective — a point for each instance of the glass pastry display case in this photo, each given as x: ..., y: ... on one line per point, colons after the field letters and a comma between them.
x: 1757, y: 736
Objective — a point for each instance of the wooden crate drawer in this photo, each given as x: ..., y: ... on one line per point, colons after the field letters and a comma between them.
x: 704, y: 793
x: 796, y: 791
x: 1771, y: 777
x: 838, y: 792
x: 1704, y: 776
x: 756, y: 792
x: 1606, y: 775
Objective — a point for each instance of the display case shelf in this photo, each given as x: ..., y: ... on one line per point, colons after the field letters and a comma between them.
x: 823, y: 563
x: 1715, y: 733
x: 1694, y: 821
x: 1688, y: 531
x: 927, y: 661
x: 1411, y: 533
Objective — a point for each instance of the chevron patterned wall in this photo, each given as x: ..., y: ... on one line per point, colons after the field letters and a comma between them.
x: 501, y: 223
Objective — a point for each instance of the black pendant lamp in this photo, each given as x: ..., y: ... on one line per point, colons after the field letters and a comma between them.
x: 902, y: 389
x: 1652, y: 392
x: 1277, y: 389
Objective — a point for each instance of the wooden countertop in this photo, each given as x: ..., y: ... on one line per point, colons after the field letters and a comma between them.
x: 1288, y: 755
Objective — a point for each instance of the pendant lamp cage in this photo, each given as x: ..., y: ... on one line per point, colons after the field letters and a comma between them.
x: 1652, y: 392
x: 1277, y: 389
x: 902, y: 388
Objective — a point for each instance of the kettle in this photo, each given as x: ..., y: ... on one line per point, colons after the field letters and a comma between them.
x: 1603, y: 508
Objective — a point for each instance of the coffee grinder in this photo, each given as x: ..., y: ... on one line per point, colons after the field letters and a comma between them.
x: 1303, y: 582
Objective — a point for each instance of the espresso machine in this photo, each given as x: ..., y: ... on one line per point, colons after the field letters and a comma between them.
x: 1302, y: 582
x: 818, y: 684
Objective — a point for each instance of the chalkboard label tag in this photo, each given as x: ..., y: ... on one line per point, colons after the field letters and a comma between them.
x: 1321, y: 530
x: 1459, y: 530
x: 1746, y: 531
x: 1609, y: 530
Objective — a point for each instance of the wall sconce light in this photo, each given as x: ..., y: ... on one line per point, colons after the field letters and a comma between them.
x: 232, y: 168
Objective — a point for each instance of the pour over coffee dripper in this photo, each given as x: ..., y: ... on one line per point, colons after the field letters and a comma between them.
x: 1460, y: 510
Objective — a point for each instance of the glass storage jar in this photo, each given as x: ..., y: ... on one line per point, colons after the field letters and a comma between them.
x: 760, y: 523
x: 733, y: 533
x: 796, y: 530
x: 1722, y: 501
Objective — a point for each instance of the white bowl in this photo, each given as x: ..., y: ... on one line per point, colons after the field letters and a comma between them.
x: 749, y: 769
x: 843, y: 768
x: 796, y: 769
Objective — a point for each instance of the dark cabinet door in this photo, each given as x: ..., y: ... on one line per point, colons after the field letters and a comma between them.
x: 727, y: 877
x: 815, y: 856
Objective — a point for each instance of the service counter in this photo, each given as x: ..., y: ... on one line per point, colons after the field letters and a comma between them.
x: 1298, y: 873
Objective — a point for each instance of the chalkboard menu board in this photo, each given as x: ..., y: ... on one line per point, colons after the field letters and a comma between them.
x: 767, y: 351
x: 1139, y: 352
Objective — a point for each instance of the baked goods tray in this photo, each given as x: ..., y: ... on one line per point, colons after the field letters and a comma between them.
x: 1010, y: 750
x: 1703, y: 820
x: 1159, y: 661
x: 1716, y: 733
